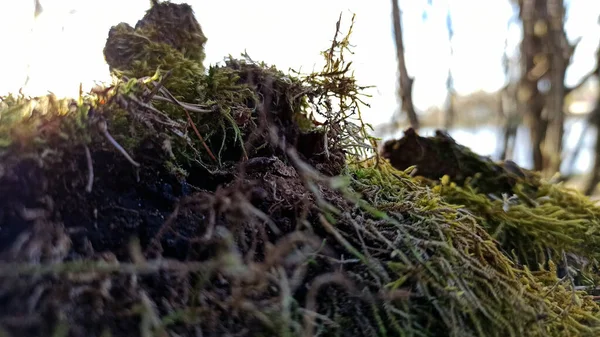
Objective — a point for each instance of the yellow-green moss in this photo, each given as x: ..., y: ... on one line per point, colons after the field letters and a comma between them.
x: 442, y: 252
x: 433, y: 260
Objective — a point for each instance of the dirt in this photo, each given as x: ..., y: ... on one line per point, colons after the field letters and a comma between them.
x: 136, y: 214
x: 125, y: 204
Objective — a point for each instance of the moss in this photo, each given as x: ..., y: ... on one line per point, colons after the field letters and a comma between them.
x: 131, y: 54
x: 533, y: 219
x: 261, y: 208
x: 174, y: 25
x: 446, y: 255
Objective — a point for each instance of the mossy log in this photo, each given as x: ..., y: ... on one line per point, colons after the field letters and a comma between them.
x: 535, y: 220
x: 189, y: 201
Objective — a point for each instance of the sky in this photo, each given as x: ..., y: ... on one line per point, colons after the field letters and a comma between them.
x: 63, y: 47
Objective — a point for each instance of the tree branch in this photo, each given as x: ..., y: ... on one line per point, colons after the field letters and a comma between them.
x: 405, y: 82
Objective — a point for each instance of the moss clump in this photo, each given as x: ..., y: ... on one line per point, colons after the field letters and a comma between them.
x: 461, y: 283
x: 34, y: 122
x: 534, y: 220
x: 221, y: 104
x: 435, y: 157
x: 167, y: 38
x: 174, y: 25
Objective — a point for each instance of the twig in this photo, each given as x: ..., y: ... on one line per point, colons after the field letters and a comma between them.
x: 104, y: 129
x: 324, y: 318
x: 286, y: 300
x: 587, y: 288
x: 155, y: 243
x: 190, y: 107
x: 570, y: 277
x: 262, y: 216
x: 556, y: 285
x: 370, y: 263
x: 182, y: 104
x: 146, y: 105
x: 90, y: 167
x: 157, y: 87
x: 149, y: 317
x: 186, y: 108
x: 311, y: 297
x: 102, y: 267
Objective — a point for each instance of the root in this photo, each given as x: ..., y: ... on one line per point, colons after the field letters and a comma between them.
x: 104, y: 129
x: 17, y: 270
x: 90, y: 167
x: 311, y: 301
x: 187, y: 108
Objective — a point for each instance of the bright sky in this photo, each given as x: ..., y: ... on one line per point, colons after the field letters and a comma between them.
x: 64, y: 47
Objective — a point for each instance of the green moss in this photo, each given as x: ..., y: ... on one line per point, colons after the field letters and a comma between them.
x: 532, y: 219
x: 530, y: 226
x: 442, y: 253
x: 32, y: 123
x: 409, y: 259
x: 174, y: 25
x: 131, y: 54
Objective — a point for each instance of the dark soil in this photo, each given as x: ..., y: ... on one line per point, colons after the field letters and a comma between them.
x: 46, y: 216
x: 217, y: 230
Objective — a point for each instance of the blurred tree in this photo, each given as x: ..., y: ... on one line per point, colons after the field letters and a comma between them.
x: 451, y: 96
x: 405, y: 82
x: 594, y: 119
x: 530, y: 99
x: 545, y: 56
x: 508, y: 108
x: 559, y: 54
x: 37, y: 11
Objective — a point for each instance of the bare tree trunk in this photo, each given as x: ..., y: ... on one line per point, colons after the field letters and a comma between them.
x: 506, y: 149
x: 559, y: 53
x: 38, y: 9
x: 511, y: 118
x: 405, y: 83
x: 508, y: 108
x: 595, y: 119
x: 450, y: 114
x: 530, y: 99
x: 545, y: 41
x: 595, y: 173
